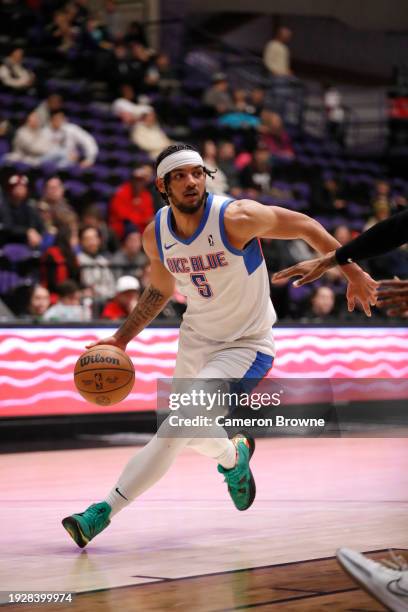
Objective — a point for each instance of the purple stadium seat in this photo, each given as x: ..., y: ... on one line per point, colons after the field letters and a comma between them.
x: 76, y: 188
x: 303, y: 189
x: 8, y: 281
x: 357, y: 225
x: 15, y: 252
x: 102, y: 190
x: 96, y: 173
x: 4, y: 147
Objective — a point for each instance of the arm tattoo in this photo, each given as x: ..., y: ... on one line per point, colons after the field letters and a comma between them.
x: 151, y: 302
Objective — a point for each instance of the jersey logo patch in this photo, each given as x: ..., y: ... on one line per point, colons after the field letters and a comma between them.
x: 168, y: 246
x: 210, y: 240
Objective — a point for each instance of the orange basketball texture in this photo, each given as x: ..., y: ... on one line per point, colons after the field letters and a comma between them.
x: 104, y: 375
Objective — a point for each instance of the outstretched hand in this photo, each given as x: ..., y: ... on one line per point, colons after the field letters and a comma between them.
x: 364, y: 291
x: 393, y: 296
x: 308, y: 271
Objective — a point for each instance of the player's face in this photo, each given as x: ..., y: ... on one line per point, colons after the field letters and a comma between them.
x: 187, y: 188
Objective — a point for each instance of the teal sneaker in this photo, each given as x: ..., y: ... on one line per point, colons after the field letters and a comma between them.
x: 84, y: 526
x: 241, y: 483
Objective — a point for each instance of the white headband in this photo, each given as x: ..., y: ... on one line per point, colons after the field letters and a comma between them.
x: 180, y: 158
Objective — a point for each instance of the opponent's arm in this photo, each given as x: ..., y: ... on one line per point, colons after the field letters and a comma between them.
x: 379, y: 239
x: 152, y: 300
x: 245, y: 220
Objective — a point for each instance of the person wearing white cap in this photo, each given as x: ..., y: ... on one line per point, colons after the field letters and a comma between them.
x: 125, y: 300
x: 208, y: 246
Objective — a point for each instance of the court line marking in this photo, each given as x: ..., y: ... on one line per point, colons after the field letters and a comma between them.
x: 259, y: 567
x: 281, y: 601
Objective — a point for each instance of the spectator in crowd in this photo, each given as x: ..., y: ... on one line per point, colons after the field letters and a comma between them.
x: 255, y: 178
x: 114, y: 20
x: 30, y: 143
x: 257, y: 100
x: 277, y: 55
x: 38, y: 302
x: 217, y: 96
x: 342, y: 234
x: 382, y: 193
x: 329, y: 197
x: 381, y: 211
x: 322, y: 303
x: 52, y: 103
x: 160, y: 76
x: 335, y: 114
x: 81, y: 11
x: 50, y: 229
x: 240, y: 101
x: 60, y: 262
x: 95, y: 272
x: 140, y: 60
x: 19, y: 219
x: 127, y: 108
x: 132, y: 203
x: 13, y: 74
x: 218, y: 182
x: 226, y: 164
x: 94, y: 37
x: 136, y: 33
x: 274, y: 136
x: 118, y: 68
x: 94, y: 47
x: 126, y: 297
x: 53, y: 194
x: 399, y: 203
x: 149, y: 136
x: 68, y: 306
x: 92, y: 216
x: 62, y: 33
x: 70, y: 144
x: 129, y: 259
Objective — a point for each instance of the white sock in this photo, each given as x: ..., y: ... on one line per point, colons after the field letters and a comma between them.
x: 143, y: 470
x: 220, y: 449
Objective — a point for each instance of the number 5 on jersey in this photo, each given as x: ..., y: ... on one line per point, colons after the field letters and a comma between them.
x: 203, y: 286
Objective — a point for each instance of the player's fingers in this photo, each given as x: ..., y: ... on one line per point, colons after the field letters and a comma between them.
x: 91, y: 345
x: 366, y: 307
x: 394, y: 282
x: 392, y: 300
x: 351, y: 303
x: 392, y: 293
x: 287, y: 273
x: 306, y: 278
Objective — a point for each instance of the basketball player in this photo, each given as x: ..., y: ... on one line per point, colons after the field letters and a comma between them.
x: 379, y: 239
x: 209, y: 246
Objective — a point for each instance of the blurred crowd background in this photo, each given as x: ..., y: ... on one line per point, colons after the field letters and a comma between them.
x: 89, y: 96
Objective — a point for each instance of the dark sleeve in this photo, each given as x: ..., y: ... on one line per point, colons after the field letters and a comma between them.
x: 379, y: 239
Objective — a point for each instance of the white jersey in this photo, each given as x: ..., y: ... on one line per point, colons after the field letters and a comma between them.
x: 227, y: 289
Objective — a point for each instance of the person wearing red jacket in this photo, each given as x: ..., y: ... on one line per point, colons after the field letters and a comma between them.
x: 126, y: 297
x: 132, y: 203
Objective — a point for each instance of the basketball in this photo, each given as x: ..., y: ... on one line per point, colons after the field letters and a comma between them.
x: 104, y: 375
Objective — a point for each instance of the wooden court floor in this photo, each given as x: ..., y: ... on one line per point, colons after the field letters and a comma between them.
x: 183, y: 546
